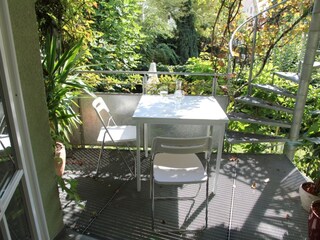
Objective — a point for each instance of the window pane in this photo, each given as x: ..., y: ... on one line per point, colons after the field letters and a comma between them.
x: 16, y: 211
x: 16, y: 217
x: 7, y: 166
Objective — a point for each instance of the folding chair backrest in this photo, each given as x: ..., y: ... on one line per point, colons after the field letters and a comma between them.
x: 102, y: 109
x: 181, y: 145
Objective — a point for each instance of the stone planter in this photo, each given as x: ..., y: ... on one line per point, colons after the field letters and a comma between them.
x: 306, y: 197
x: 60, y: 158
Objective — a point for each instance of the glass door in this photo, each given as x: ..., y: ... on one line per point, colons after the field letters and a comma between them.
x: 14, y: 223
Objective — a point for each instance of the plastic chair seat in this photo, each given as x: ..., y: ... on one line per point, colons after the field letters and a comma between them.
x: 178, y: 169
x: 123, y: 133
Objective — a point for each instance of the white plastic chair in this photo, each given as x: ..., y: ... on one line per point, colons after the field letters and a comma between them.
x: 111, y: 132
x: 174, y: 162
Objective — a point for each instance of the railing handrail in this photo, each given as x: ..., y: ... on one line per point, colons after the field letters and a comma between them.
x: 157, y: 72
x: 145, y: 74
x: 231, y: 55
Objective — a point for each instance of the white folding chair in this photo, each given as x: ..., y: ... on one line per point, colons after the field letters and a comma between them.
x: 111, y: 132
x: 174, y: 162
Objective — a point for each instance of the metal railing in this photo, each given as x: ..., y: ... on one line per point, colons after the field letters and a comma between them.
x: 252, y: 57
x: 146, y: 75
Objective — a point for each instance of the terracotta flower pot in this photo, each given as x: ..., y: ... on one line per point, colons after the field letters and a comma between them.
x: 306, y: 197
x: 314, y: 221
x: 60, y: 158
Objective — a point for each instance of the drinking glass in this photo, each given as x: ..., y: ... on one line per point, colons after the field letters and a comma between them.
x: 163, y: 90
x: 178, y: 94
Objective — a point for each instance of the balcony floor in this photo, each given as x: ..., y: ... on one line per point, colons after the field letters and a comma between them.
x: 257, y: 198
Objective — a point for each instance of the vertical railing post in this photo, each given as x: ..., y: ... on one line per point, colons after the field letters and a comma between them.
x: 214, y: 85
x: 144, y: 84
x: 254, y: 38
x: 305, y: 78
x: 229, y: 70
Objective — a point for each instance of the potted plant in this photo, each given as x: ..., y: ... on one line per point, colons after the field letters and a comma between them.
x: 309, y: 163
x: 62, y: 86
x: 310, y: 190
x: 314, y: 221
x: 60, y: 158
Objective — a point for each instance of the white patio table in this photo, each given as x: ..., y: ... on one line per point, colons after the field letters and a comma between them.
x: 191, y: 110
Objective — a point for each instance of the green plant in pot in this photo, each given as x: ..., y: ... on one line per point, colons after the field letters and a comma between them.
x: 310, y: 164
x: 310, y: 191
x: 62, y: 87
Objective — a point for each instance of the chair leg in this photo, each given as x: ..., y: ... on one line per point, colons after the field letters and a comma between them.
x: 151, y: 177
x: 152, y: 202
x: 119, y: 151
x: 132, y: 154
x: 99, y: 159
x: 207, y: 202
x: 124, y: 160
x: 181, y: 198
x: 101, y: 154
x: 153, y: 198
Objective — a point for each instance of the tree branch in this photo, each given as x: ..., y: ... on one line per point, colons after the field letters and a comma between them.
x: 284, y: 33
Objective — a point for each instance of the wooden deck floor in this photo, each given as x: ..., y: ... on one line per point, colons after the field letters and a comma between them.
x: 257, y: 198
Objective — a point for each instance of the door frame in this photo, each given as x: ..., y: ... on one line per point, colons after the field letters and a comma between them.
x: 13, y: 100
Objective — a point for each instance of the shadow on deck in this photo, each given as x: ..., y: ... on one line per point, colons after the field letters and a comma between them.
x: 257, y: 198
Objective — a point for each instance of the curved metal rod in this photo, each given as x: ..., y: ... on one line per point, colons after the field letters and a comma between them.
x: 231, y: 55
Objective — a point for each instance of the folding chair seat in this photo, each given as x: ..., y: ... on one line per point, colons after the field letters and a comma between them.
x: 110, y: 132
x: 174, y: 162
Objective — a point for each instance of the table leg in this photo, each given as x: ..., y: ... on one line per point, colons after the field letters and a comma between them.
x: 138, y: 162
x: 209, y: 133
x: 220, y: 134
x: 145, y: 138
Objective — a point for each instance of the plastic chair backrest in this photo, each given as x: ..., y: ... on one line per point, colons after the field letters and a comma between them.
x: 101, y: 107
x: 181, y: 145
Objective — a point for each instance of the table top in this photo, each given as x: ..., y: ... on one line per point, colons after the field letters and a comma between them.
x: 191, y: 110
